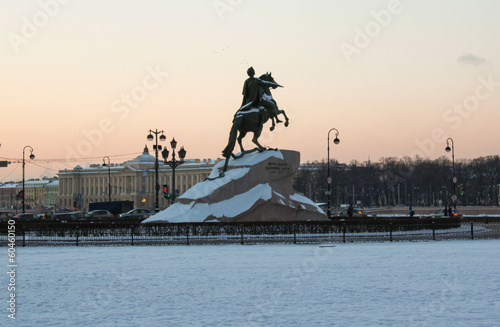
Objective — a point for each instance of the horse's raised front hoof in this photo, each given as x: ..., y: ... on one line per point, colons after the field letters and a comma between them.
x: 271, y: 128
x: 286, y: 123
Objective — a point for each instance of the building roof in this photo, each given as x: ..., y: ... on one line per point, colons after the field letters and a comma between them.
x: 9, y: 185
x: 54, y: 182
x: 34, y: 183
x: 143, y: 162
x: 144, y: 159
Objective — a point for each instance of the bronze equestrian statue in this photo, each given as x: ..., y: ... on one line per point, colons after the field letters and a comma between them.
x: 257, y: 107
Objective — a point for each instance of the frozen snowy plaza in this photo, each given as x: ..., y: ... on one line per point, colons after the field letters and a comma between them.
x: 443, y: 283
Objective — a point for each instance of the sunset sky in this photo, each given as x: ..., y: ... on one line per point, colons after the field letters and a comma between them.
x: 84, y: 79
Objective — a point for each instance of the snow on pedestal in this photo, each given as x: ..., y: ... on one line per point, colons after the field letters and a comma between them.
x: 256, y: 187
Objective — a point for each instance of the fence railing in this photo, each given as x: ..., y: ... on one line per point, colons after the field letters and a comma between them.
x: 249, y: 233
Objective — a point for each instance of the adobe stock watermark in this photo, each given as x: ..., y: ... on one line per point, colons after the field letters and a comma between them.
x: 268, y: 136
x: 11, y: 268
x: 225, y: 6
x: 456, y: 115
x: 293, y: 278
x: 471, y: 103
x: 364, y: 36
x: 31, y: 26
x: 121, y: 109
x: 436, y: 306
x: 99, y: 298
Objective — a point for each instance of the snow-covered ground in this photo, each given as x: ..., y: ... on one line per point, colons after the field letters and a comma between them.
x: 445, y: 283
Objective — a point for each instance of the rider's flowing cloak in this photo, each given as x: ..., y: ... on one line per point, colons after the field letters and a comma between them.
x: 251, y: 94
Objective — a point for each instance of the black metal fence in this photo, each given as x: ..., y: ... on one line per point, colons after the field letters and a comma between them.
x: 249, y: 233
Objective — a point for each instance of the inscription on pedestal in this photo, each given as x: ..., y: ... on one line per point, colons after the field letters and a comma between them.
x: 278, y: 167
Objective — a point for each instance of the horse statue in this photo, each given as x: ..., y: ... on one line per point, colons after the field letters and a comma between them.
x: 268, y: 102
x: 251, y: 117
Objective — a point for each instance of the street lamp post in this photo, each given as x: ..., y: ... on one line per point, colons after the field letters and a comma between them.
x: 32, y: 156
x: 452, y: 149
x: 329, y: 179
x: 109, y: 175
x: 174, y: 163
x: 156, y: 147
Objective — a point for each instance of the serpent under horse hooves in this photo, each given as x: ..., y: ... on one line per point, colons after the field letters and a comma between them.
x: 253, y: 120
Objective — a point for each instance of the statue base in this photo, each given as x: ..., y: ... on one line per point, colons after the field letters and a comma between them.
x: 255, y: 187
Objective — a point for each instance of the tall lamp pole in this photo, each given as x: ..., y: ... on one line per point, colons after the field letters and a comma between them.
x: 452, y: 149
x: 329, y: 179
x: 173, y: 163
x: 109, y: 175
x: 32, y: 156
x: 156, y: 147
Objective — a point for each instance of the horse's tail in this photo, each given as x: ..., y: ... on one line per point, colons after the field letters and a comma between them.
x: 228, y: 150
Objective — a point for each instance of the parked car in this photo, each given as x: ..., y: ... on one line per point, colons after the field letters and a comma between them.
x: 356, y: 212
x: 6, y: 215
x: 60, y: 216
x: 64, y: 217
x: 81, y: 215
x: 457, y: 213
x: 27, y: 216
x: 137, y: 213
x: 441, y: 214
x: 48, y: 215
x: 100, y: 214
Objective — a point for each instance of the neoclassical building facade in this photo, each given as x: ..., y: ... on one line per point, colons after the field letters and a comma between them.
x: 51, y: 193
x: 133, y: 180
x: 37, y: 193
x: 34, y: 192
x: 8, y: 195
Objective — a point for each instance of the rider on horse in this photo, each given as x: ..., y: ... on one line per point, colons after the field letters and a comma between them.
x: 251, y: 91
x: 257, y: 107
x: 254, y: 95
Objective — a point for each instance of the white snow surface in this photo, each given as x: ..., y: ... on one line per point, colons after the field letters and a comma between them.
x: 205, y: 188
x: 444, y: 283
x: 230, y: 208
x: 249, y: 159
x: 303, y: 199
x: 245, y: 112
